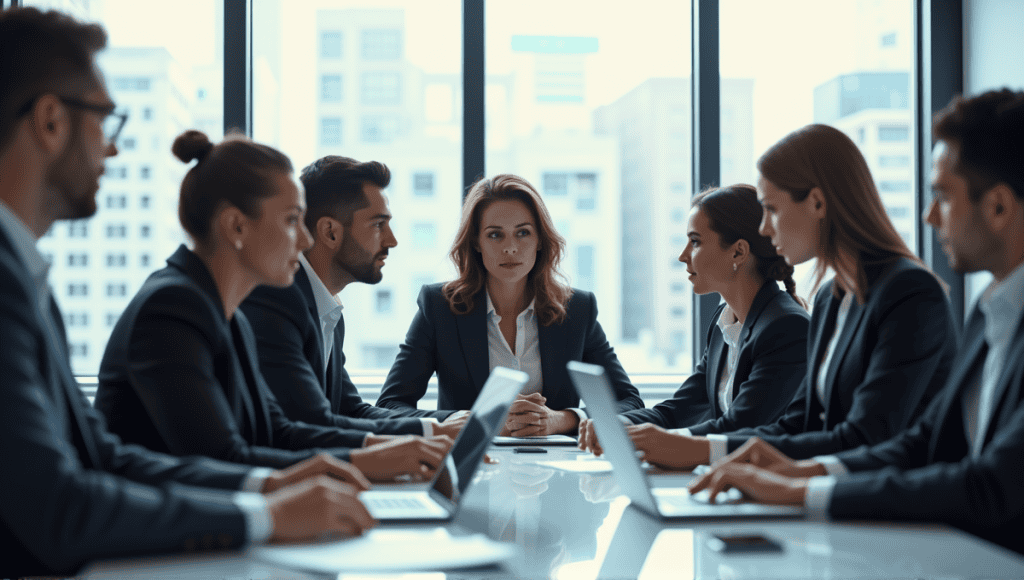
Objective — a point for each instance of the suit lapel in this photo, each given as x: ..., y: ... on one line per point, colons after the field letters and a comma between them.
x: 1003, y: 383
x: 714, y: 369
x: 472, y: 328
x: 830, y: 308
x: 951, y: 421
x: 850, y: 326
x: 71, y: 391
x: 306, y: 289
x: 551, y: 344
x: 246, y: 387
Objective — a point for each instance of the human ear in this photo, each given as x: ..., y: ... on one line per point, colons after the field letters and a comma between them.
x: 233, y: 226
x: 817, y: 200
x: 51, y: 124
x: 999, y: 206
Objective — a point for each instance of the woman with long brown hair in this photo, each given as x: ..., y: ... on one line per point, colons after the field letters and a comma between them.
x: 756, y: 352
x: 882, y: 335
x: 508, y: 307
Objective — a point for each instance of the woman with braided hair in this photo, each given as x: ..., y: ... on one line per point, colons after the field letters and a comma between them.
x: 756, y: 351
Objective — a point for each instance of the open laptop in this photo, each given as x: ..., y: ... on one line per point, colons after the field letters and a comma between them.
x: 667, y: 502
x: 441, y: 498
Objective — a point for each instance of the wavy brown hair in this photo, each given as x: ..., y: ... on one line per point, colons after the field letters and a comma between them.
x: 547, y: 283
x: 856, y: 231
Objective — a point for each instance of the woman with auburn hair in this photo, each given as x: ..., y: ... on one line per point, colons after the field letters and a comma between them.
x: 508, y: 307
x: 882, y: 335
x: 756, y: 352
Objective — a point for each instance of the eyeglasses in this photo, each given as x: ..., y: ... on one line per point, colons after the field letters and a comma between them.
x: 113, y: 120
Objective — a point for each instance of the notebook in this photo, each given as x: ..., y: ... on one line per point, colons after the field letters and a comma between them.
x: 666, y: 502
x: 440, y: 500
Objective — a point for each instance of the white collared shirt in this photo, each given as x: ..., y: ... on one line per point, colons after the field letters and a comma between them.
x: 328, y: 308
x: 841, y: 316
x: 731, y: 328
x: 526, y: 357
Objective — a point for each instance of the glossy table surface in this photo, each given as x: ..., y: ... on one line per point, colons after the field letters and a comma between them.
x: 578, y: 526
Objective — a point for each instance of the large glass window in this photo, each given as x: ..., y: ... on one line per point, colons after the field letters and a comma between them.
x: 845, y: 63
x: 167, y: 82
x: 355, y: 78
x: 593, y: 108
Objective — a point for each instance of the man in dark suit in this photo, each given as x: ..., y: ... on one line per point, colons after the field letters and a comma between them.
x: 71, y: 491
x: 300, y: 329
x: 962, y: 462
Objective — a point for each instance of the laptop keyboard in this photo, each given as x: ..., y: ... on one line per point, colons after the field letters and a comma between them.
x: 394, y: 503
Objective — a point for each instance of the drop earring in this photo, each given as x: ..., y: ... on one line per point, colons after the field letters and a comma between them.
x: 735, y: 267
x: 238, y: 245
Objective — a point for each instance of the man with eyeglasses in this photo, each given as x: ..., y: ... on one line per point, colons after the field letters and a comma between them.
x: 70, y: 492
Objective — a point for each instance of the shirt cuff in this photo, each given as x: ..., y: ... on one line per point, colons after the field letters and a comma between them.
x: 833, y: 466
x: 719, y: 446
x: 579, y: 413
x: 819, y: 496
x: 365, y: 437
x: 683, y: 431
x: 254, y: 481
x: 258, y: 523
x: 428, y: 425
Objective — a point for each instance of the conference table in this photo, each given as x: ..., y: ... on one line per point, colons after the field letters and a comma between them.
x: 576, y: 524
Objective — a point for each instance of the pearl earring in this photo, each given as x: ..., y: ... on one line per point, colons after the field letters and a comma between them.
x: 734, y: 266
x: 238, y: 245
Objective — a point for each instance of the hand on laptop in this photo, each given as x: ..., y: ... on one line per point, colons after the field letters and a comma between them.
x: 529, y: 415
x: 587, y: 439
x: 756, y: 452
x: 317, y: 507
x: 322, y: 464
x: 409, y: 455
x: 452, y: 425
x: 757, y: 484
x: 667, y: 450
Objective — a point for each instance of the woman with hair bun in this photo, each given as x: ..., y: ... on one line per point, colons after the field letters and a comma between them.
x: 180, y: 373
x: 882, y: 336
x: 756, y: 352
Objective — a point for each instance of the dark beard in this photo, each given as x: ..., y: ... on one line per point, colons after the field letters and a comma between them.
x: 358, y: 263
x: 72, y: 183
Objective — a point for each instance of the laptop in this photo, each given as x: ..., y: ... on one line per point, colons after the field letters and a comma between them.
x: 440, y: 500
x: 666, y: 502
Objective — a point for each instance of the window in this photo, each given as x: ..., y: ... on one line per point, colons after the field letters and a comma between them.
x: 78, y: 229
x: 144, y: 172
x: 424, y: 235
x: 893, y: 186
x: 330, y: 88
x: 112, y: 318
x: 678, y: 312
x: 423, y: 184
x: 897, y: 212
x: 147, y: 114
x: 117, y: 290
x: 116, y: 172
x: 78, y: 260
x: 586, y: 191
x: 383, y: 301
x: 330, y: 44
x: 144, y: 202
x: 378, y: 129
x: 890, y: 134
x: 330, y: 131
x: 129, y: 84
x: 117, y: 201
x: 585, y: 267
x: 381, y: 88
x: 889, y: 39
x: 899, y: 161
x: 381, y: 44
x: 144, y: 260
x: 78, y: 289
x: 117, y: 230
x: 77, y: 319
x: 78, y: 349
x: 127, y: 144
x: 145, y: 230
x: 556, y: 184
x: 117, y: 260
x: 378, y: 356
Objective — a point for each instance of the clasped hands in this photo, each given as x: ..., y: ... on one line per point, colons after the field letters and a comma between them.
x: 530, y: 416
x: 762, y: 473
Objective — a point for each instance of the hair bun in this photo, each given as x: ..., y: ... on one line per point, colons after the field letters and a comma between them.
x: 191, y: 145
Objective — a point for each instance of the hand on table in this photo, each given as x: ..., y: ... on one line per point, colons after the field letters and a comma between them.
x: 668, y: 450
x: 316, y: 507
x: 530, y: 416
x: 410, y: 455
x: 587, y: 439
x: 755, y: 483
x: 758, y: 453
x: 322, y: 464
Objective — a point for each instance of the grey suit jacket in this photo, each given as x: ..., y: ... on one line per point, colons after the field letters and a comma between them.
x: 71, y: 491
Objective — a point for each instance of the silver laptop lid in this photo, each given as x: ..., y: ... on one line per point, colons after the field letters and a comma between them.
x: 485, y: 421
x: 592, y: 386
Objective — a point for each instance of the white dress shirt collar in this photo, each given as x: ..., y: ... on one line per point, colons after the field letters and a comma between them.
x: 1002, y: 304
x: 24, y: 243
x: 327, y: 304
x: 731, y: 328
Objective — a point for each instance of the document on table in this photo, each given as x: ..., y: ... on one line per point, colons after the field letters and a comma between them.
x: 392, y: 550
x: 580, y: 466
x: 536, y: 440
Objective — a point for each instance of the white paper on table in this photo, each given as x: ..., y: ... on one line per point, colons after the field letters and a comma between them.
x: 535, y: 440
x: 390, y: 550
x: 588, y: 466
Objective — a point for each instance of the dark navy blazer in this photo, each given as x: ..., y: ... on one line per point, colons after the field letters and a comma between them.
x: 456, y: 348
x: 772, y: 360
x: 893, y: 355
x: 177, y: 376
x: 290, y: 342
x: 927, y: 473
x: 71, y: 491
